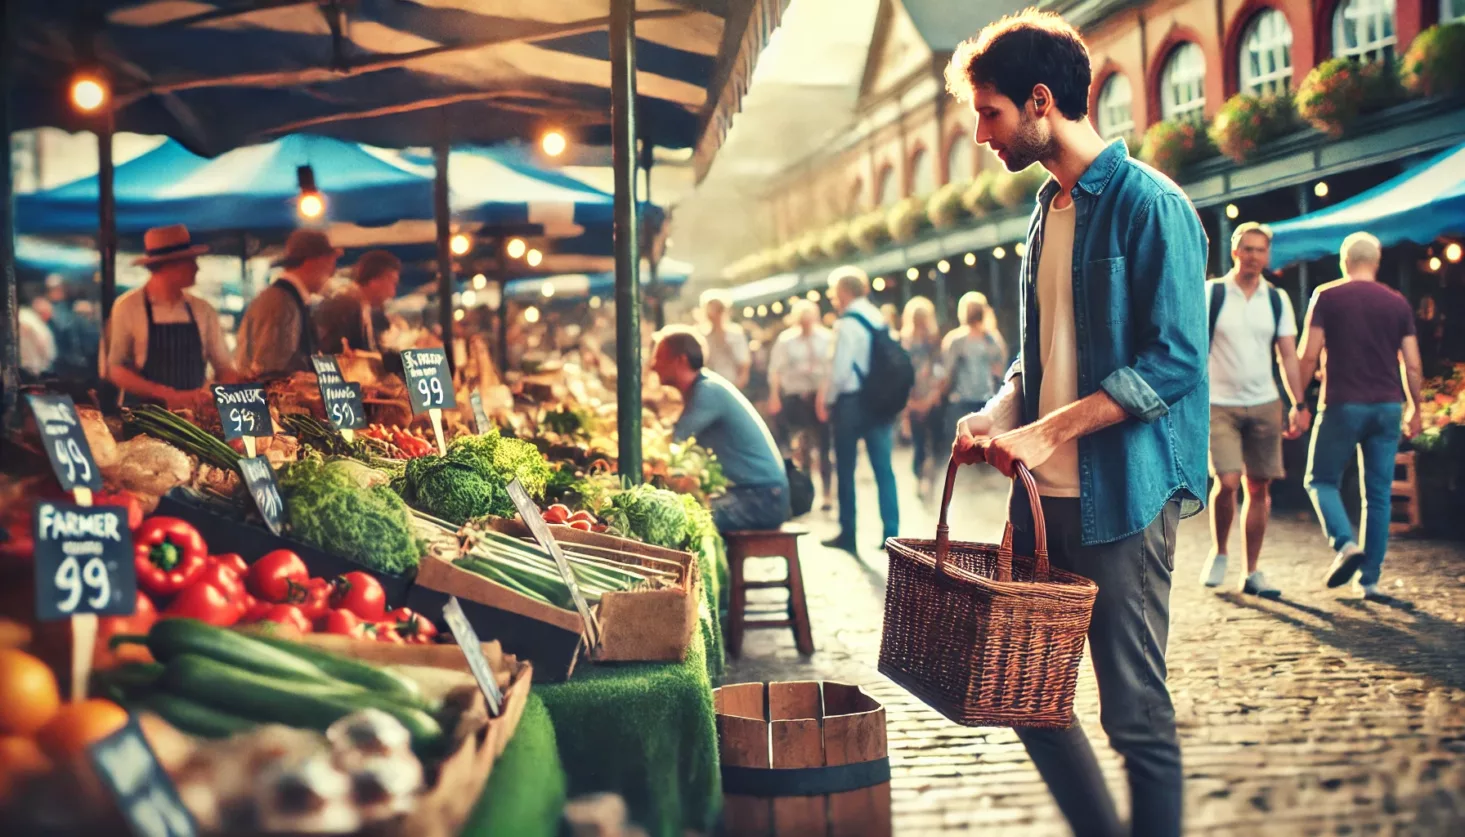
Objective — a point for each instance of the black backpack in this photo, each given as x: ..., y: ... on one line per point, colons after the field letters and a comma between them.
x: 891, y: 370
x: 800, y: 489
x: 1216, y: 298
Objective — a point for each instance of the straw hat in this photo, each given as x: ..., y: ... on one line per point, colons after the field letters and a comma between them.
x: 304, y: 245
x: 167, y: 244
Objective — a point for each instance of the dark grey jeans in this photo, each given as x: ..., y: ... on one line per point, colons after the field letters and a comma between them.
x: 1127, y: 636
x: 750, y: 508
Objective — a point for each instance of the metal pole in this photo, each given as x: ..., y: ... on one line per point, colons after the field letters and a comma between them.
x: 106, y: 217
x: 627, y: 238
x: 503, y: 335
x: 1224, y: 250
x: 444, y: 246
x: 653, y: 282
x: 1304, y: 206
x: 9, y: 303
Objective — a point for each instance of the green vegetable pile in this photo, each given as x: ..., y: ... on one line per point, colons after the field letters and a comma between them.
x: 651, y: 515
x: 471, y: 480
x: 346, y: 509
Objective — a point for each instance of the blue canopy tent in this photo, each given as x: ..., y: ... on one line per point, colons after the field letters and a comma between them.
x: 36, y: 255
x: 1419, y: 205
x: 580, y: 286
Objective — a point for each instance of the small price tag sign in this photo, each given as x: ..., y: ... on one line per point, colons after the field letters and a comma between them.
x: 66, y: 445
x: 480, y: 417
x: 84, y: 561
x: 472, y: 648
x: 259, y: 478
x: 540, y: 530
x: 342, y: 398
x: 429, y: 383
x: 141, y: 786
x: 243, y: 411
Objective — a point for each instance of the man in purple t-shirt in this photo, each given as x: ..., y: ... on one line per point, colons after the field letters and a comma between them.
x: 1367, y: 329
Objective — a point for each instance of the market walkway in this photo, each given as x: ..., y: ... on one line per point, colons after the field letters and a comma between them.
x: 1312, y: 715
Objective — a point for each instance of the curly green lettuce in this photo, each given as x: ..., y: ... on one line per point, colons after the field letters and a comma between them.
x: 331, y: 509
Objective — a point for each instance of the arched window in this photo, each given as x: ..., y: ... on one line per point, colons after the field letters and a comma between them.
x: 923, y: 173
x: 884, y: 194
x: 961, y: 163
x: 1452, y: 10
x: 1266, y: 54
x: 1364, y: 30
x: 1115, y: 113
x: 1183, y: 83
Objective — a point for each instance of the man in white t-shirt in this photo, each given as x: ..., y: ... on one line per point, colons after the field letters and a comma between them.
x: 1251, y: 322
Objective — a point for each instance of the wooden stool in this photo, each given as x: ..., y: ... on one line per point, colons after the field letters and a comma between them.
x: 1406, y: 490
x: 781, y: 543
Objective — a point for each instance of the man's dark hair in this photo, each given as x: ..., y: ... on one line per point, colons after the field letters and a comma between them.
x: 1019, y: 52
x: 374, y: 263
x: 684, y: 342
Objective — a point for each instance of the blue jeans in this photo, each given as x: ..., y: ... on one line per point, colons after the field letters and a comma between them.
x: 1128, y: 633
x: 1374, y: 430
x: 850, y: 426
x: 750, y: 508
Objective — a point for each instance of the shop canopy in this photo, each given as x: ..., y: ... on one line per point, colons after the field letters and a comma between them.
x: 36, y: 255
x: 671, y: 273
x: 391, y: 73
x: 1419, y: 205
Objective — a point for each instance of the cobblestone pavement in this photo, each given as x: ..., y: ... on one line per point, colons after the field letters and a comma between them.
x: 1315, y: 714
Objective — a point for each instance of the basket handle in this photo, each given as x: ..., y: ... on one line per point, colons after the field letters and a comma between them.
x: 1004, y: 552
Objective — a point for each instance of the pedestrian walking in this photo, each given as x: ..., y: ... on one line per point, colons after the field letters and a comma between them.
x: 798, y: 365
x: 868, y: 386
x: 1360, y: 331
x: 922, y: 341
x: 1107, y: 402
x: 727, y: 344
x: 1251, y: 323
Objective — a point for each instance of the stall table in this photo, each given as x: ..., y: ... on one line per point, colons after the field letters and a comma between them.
x: 526, y: 791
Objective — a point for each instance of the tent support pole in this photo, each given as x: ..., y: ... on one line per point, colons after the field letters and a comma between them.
x: 444, y: 246
x: 658, y: 302
x: 1304, y: 206
x: 1223, y: 251
x: 106, y: 217
x: 502, y: 256
x: 627, y: 239
x: 9, y: 302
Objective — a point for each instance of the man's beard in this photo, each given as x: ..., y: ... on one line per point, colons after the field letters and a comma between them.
x: 1030, y: 144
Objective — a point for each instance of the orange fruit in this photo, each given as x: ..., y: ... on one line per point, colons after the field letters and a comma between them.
x: 79, y: 725
x: 28, y: 694
x: 19, y: 757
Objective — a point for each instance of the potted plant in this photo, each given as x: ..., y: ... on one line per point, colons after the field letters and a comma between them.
x: 1247, y: 122
x: 811, y: 250
x: 906, y: 218
x: 1435, y: 62
x: 869, y: 231
x: 944, y: 208
x: 1173, y: 144
x: 977, y: 197
x: 1014, y: 189
x: 751, y: 266
x: 835, y: 240
x: 787, y: 257
x: 1340, y: 90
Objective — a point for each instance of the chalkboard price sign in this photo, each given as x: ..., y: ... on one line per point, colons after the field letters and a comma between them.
x: 84, y: 561
x: 429, y: 381
x: 66, y: 445
x: 143, y: 791
x: 259, y: 477
x: 243, y: 410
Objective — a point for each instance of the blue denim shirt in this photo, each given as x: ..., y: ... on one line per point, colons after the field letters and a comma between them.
x: 1139, y: 314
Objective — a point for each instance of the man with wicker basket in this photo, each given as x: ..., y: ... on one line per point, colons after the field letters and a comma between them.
x: 1107, y: 404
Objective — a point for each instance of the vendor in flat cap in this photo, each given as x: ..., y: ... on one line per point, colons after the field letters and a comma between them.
x: 278, y: 335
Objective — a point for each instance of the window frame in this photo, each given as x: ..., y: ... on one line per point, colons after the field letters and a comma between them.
x: 1381, y: 48
x: 1193, y: 108
x: 1267, y: 82
x: 1103, y: 108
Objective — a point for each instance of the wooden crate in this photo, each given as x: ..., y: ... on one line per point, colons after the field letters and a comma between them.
x: 1405, y: 495
x: 803, y: 758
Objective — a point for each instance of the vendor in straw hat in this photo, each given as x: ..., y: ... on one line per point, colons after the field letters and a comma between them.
x: 160, y: 339
x: 278, y: 334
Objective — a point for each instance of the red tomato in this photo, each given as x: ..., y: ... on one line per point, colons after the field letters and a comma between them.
x: 342, y: 622
x: 316, y: 599
x: 277, y: 576
x: 412, y: 627
x: 206, y: 603
x: 224, y: 578
x: 252, y: 609
x: 124, y: 499
x: 386, y: 632
x: 287, y: 614
x: 361, y: 594
x: 235, y: 563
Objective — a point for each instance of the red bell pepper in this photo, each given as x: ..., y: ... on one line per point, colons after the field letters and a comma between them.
x: 222, y: 577
x: 288, y: 614
x: 235, y: 563
x: 169, y: 555
x: 206, y: 603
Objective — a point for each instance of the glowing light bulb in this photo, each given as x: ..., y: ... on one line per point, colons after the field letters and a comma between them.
x: 311, y: 205
x: 944, y: 266
x: 460, y: 244
x: 547, y: 290
x: 458, y: 316
x: 1232, y: 210
x: 812, y: 296
x: 913, y: 274
x: 534, y: 258
x: 748, y: 313
x: 553, y: 143
x: 1020, y: 248
x: 1453, y: 252
x: 517, y: 248
x: 531, y: 314
x: 1435, y: 264
x: 1321, y: 189
x: 878, y: 284
x: 470, y: 298
x: 594, y: 302
x: 999, y: 252
x: 777, y: 307
x: 763, y: 310
x: 88, y: 93
x: 480, y: 282
x: 970, y: 259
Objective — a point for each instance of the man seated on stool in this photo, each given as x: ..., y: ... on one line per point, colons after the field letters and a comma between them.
x: 722, y: 420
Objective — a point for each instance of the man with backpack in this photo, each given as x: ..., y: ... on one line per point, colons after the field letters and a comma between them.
x: 1251, y: 324
x: 867, y: 387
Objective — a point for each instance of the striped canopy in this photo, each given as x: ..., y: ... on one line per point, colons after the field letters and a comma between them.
x: 392, y: 73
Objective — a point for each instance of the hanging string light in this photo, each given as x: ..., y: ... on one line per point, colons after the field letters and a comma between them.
x: 311, y: 203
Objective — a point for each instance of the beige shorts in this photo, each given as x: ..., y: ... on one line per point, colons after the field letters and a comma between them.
x: 1248, y: 440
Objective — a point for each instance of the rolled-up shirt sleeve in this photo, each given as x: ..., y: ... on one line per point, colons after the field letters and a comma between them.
x: 843, y: 376
x: 1166, y: 263
x: 698, y: 413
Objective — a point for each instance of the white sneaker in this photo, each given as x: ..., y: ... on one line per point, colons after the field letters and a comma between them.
x: 1345, y: 566
x: 1256, y: 584
x: 1214, y: 571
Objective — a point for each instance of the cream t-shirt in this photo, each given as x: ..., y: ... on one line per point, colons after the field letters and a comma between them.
x: 1057, y: 350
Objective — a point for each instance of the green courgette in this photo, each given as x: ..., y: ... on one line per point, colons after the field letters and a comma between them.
x: 172, y: 638
x: 265, y: 699
x: 195, y: 718
x: 378, y: 680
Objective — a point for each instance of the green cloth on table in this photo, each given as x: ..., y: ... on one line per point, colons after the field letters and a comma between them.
x: 646, y: 731
x: 712, y: 563
x: 525, y: 795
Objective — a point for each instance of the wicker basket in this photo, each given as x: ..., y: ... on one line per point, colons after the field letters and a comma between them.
x: 984, y: 638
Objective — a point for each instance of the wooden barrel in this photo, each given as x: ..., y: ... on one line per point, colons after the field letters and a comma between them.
x: 803, y: 758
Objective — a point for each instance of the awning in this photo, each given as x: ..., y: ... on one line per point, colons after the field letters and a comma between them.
x: 40, y: 256
x: 1419, y: 205
x: 392, y: 73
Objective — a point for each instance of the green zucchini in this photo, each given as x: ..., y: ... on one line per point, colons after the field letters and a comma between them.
x: 265, y: 699
x: 171, y: 638
x: 195, y: 718
x: 379, y: 680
